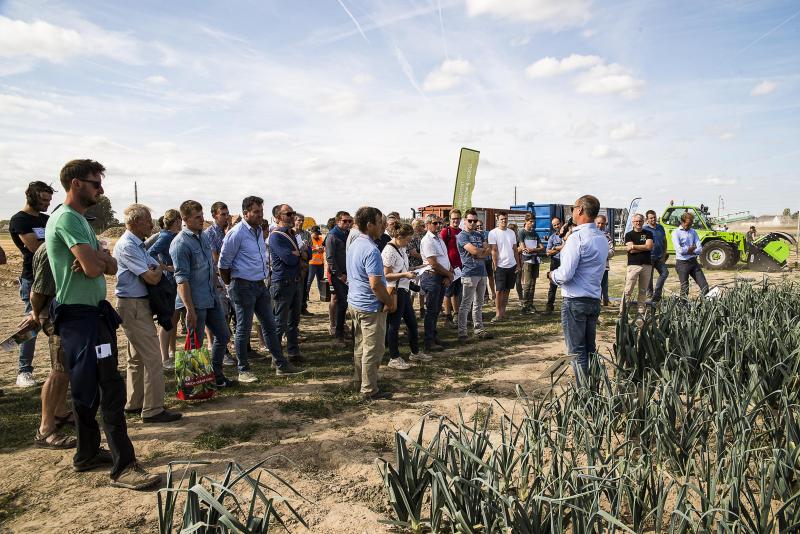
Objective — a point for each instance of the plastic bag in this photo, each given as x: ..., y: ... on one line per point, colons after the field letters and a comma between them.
x: 193, y: 371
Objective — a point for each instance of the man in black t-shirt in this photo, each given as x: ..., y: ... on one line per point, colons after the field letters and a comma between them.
x: 639, y: 243
x: 27, y: 233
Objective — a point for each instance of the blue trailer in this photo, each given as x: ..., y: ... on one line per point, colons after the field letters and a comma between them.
x: 544, y: 213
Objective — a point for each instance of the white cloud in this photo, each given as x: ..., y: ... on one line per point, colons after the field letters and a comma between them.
x: 448, y: 75
x: 339, y: 103
x: 156, y: 80
x: 555, y: 14
x: 606, y: 152
x: 520, y: 41
x: 582, y: 130
x: 609, y: 79
x: 718, y: 180
x: 764, y: 88
x: 588, y: 33
x: 270, y: 136
x: 549, y: 66
x: 363, y: 79
x: 38, y: 109
x: 626, y: 131
x: 726, y: 136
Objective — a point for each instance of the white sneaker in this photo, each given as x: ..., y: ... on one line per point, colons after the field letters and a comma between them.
x: 420, y: 357
x: 229, y: 360
x: 399, y: 363
x: 25, y: 380
x: 169, y: 363
x: 247, y: 377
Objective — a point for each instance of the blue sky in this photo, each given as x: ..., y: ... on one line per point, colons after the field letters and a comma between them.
x: 336, y: 104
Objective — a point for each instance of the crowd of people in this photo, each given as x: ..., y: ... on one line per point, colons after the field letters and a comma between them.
x: 377, y: 271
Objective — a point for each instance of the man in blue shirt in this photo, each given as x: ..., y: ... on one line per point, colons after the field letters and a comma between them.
x: 216, y: 234
x: 243, y: 266
x: 473, y: 249
x: 286, y: 284
x: 687, y: 249
x: 583, y: 262
x: 195, y: 276
x: 553, y: 251
x: 369, y: 302
x: 135, y: 270
x: 658, y: 256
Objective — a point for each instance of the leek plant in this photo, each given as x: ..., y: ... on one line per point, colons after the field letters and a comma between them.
x: 691, y: 425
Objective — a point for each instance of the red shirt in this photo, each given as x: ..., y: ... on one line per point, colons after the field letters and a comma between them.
x: 448, y: 235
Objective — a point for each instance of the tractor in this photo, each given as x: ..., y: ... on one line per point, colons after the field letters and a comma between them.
x: 724, y: 249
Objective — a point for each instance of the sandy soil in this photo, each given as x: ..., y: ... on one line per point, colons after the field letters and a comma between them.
x: 329, y: 460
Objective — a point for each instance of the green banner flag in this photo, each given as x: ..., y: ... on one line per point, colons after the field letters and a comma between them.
x: 465, y: 179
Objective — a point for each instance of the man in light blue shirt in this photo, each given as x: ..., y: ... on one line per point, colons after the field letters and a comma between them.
x: 369, y: 302
x: 195, y: 276
x: 135, y: 269
x: 583, y: 262
x: 243, y: 265
x: 687, y: 249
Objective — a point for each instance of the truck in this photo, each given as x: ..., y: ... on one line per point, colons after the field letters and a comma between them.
x: 723, y: 249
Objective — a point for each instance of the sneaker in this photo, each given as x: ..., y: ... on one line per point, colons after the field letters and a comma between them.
x: 433, y: 348
x: 228, y: 360
x: 288, y: 370
x: 297, y: 358
x: 483, y: 334
x: 136, y: 478
x: 246, y: 377
x: 225, y: 383
x: 25, y: 380
x: 420, y: 357
x: 399, y: 363
x: 164, y: 417
x: 101, y: 459
x: 169, y: 363
x: 306, y: 313
x: 497, y: 319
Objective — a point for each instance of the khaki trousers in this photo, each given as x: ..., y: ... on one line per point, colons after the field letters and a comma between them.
x: 640, y: 274
x: 145, y: 381
x: 369, y: 334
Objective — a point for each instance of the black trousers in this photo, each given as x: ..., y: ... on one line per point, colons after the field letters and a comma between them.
x: 95, y: 383
x: 690, y: 268
x: 340, y: 288
x: 555, y: 263
x: 405, y: 313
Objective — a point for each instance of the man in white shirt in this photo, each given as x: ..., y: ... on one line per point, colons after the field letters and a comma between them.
x: 434, y: 281
x: 505, y: 261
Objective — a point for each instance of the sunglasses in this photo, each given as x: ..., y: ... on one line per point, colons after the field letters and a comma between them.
x: 289, y: 213
x: 97, y: 184
x: 472, y: 220
x: 435, y: 223
x: 347, y: 221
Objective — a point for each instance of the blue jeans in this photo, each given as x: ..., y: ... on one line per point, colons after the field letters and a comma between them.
x: 661, y: 268
x: 249, y: 298
x: 27, y: 348
x: 405, y: 313
x: 604, y: 287
x: 434, y: 295
x: 287, y: 300
x: 214, y: 319
x: 579, y: 320
x: 315, y: 271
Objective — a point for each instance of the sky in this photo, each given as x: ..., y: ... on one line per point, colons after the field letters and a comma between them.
x: 334, y: 104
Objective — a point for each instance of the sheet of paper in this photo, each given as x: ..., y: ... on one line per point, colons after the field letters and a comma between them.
x: 456, y: 273
x: 531, y: 243
x: 103, y: 351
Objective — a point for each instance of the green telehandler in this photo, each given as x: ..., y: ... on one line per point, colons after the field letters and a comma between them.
x: 724, y: 249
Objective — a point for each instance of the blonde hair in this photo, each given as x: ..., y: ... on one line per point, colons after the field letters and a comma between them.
x: 170, y: 216
x: 399, y: 230
x: 136, y: 212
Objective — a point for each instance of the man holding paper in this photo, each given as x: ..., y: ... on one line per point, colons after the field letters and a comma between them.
x: 529, y: 247
x: 435, y: 281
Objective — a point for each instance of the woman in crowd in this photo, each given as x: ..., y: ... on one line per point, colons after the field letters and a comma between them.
x: 398, y: 278
x: 317, y: 262
x: 171, y: 225
x: 415, y: 258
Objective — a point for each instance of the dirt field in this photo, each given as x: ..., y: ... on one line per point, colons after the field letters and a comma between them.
x: 317, y: 434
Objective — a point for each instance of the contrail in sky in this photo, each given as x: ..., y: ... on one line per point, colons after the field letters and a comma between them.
x: 354, y: 20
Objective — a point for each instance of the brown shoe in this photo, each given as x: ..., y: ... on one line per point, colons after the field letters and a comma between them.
x: 135, y: 477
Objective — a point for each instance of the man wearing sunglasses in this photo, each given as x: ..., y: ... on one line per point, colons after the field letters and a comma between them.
x: 87, y: 325
x: 336, y: 258
x: 435, y: 281
x: 583, y: 262
x: 473, y: 249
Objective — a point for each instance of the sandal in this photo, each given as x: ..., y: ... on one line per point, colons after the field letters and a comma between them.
x: 62, y: 420
x: 59, y: 441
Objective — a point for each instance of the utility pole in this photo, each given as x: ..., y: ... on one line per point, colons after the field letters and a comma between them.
x: 135, y: 192
x: 515, y: 195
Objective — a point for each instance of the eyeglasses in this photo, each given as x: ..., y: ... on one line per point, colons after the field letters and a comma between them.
x: 347, y: 221
x: 472, y: 220
x: 97, y: 184
x: 435, y: 223
x: 580, y: 207
x: 289, y: 213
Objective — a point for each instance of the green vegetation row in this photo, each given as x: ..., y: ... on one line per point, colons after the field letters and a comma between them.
x: 691, y: 425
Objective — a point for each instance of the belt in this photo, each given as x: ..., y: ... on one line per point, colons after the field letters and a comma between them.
x: 131, y: 298
x: 249, y: 281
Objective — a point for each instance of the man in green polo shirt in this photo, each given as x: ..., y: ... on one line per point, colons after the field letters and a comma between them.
x: 87, y: 325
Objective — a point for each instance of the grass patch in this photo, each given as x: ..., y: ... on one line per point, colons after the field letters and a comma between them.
x: 20, y: 414
x: 225, y: 435
x: 333, y: 400
x: 9, y: 507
